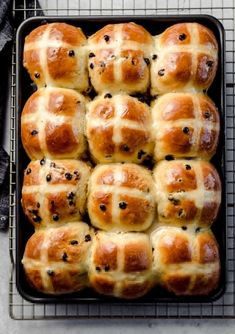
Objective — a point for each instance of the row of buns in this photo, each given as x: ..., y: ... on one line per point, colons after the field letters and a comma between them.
x: 125, y: 265
x: 121, y: 197
x: 57, y: 123
x: 122, y: 57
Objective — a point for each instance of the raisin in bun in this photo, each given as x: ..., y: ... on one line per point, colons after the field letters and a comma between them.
x: 118, y: 129
x: 185, y: 58
x: 55, y: 55
x: 119, y: 58
x: 186, y: 262
x: 120, y: 264
x: 55, y: 191
x: 187, y: 192
x: 53, y: 124
x: 120, y: 197
x: 56, y: 259
x: 185, y: 125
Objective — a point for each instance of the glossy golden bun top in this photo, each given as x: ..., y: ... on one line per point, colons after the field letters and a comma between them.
x: 55, y: 55
x: 119, y: 58
x: 120, y: 197
x: 56, y: 259
x: 55, y: 192
x: 187, y: 192
x: 186, y: 262
x: 185, y: 125
x: 121, y: 264
x: 185, y: 59
x: 53, y: 124
x: 118, y: 129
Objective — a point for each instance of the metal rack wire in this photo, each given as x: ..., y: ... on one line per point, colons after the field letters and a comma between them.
x: 224, y: 307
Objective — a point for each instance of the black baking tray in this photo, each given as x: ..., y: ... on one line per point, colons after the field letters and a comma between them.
x: 24, y: 88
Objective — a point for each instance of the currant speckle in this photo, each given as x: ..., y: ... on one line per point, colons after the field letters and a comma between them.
x: 161, y: 72
x: 34, y: 132
x: 71, y: 53
x: 103, y: 207
x: 73, y: 242
x: 106, y: 38
x: 122, y: 205
x: 28, y: 171
x: 185, y: 130
x: 55, y: 217
x: 87, y: 238
x: 182, y: 37
x: 169, y: 157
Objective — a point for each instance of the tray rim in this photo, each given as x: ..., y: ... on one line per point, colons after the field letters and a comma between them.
x: 100, y: 299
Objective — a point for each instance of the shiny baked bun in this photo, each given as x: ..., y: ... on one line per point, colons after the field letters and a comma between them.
x: 185, y: 57
x: 118, y: 129
x: 120, y: 197
x: 185, y: 125
x: 120, y: 264
x: 53, y: 124
x: 55, y: 192
x: 187, y: 192
x: 56, y: 259
x: 119, y: 58
x: 186, y: 262
x: 55, y: 55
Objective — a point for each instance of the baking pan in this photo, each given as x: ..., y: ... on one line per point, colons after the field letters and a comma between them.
x: 24, y: 88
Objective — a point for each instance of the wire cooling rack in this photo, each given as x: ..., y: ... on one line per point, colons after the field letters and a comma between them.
x: 224, y: 307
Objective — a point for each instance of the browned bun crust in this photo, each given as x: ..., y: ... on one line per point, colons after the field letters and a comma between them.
x: 120, y: 197
x: 121, y: 264
x: 55, y: 192
x: 187, y: 192
x: 187, y: 59
x: 56, y: 259
x: 118, y: 129
x: 185, y: 125
x: 186, y: 262
x: 119, y: 58
x: 55, y: 55
x: 53, y: 124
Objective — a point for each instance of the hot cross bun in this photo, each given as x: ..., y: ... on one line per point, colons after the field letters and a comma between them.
x: 56, y: 259
x: 185, y: 58
x: 55, y: 55
x: 186, y: 262
x: 53, y: 124
x: 185, y: 125
x: 187, y: 192
x: 120, y: 197
x: 55, y: 192
x: 119, y: 58
x: 118, y: 129
x: 120, y: 264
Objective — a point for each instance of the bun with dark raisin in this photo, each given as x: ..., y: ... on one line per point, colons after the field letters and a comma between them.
x: 120, y: 197
x: 121, y: 264
x: 55, y: 192
x: 119, y: 58
x: 56, y: 259
x: 55, y: 55
x: 187, y: 59
x: 187, y: 192
x: 185, y: 125
x: 118, y: 129
x: 185, y: 262
x: 53, y: 124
